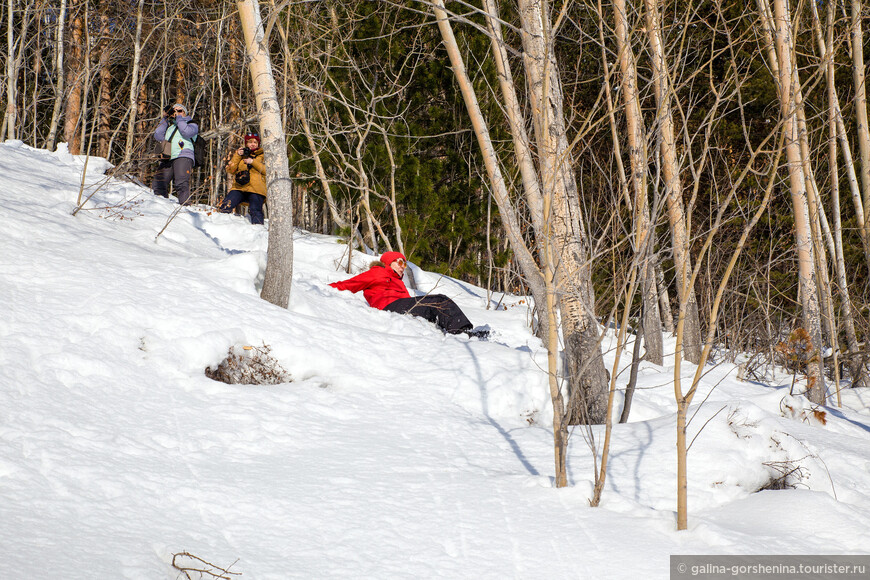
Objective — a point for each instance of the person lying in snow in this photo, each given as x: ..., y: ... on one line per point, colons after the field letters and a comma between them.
x: 383, y: 289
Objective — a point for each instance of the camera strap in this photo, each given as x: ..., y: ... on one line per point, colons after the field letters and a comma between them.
x: 166, y: 145
x: 174, y: 131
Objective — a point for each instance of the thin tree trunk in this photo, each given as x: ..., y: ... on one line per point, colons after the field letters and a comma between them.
x: 833, y: 117
x: 84, y: 144
x: 860, y: 102
x: 299, y: 110
x: 14, y: 60
x: 394, y: 210
x: 808, y: 283
x: 104, y: 109
x: 74, y: 81
x: 58, y: 91
x: 585, y: 366
x: 638, y: 156
x: 665, y: 300
x: 279, y: 265
x: 511, y: 225
x: 673, y: 183
x: 11, y: 75
x: 683, y: 400
x: 134, y: 84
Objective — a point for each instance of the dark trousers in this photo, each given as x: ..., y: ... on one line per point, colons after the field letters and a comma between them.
x: 435, y: 308
x: 173, y: 170
x: 254, y: 200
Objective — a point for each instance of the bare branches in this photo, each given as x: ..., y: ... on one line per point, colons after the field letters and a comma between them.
x: 195, y: 568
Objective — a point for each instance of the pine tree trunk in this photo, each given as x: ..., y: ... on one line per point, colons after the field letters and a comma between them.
x: 279, y: 265
x: 74, y: 81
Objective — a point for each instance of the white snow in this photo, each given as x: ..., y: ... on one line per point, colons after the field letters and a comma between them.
x: 395, y: 452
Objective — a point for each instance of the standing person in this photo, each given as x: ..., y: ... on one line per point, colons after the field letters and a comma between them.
x: 383, y: 289
x: 176, y: 132
x: 249, y: 179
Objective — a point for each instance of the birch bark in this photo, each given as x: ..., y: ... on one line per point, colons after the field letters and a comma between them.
x: 673, y: 183
x: 51, y: 141
x: 807, y: 280
x: 638, y: 157
x: 279, y: 262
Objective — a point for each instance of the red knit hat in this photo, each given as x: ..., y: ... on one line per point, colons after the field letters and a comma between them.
x: 253, y: 136
x: 390, y: 257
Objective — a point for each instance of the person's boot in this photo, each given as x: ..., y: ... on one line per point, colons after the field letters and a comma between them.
x: 481, y: 332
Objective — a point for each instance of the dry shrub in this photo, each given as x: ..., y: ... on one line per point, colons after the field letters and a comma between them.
x: 814, y: 414
x: 783, y: 475
x: 195, y: 568
x: 249, y: 365
x: 795, y: 353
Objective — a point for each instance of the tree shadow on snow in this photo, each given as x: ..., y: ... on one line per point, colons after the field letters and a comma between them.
x: 484, y: 399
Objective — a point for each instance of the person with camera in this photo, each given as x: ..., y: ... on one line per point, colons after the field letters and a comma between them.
x: 176, y: 132
x: 247, y: 179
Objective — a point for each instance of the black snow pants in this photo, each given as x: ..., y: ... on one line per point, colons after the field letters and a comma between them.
x: 436, y: 308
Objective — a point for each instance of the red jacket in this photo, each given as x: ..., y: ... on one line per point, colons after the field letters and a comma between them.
x: 380, y: 286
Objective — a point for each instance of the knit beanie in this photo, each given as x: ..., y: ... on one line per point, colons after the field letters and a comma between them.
x: 253, y: 136
x: 390, y: 257
x: 180, y: 106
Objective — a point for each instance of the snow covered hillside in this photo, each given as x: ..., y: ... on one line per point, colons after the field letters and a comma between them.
x: 394, y: 452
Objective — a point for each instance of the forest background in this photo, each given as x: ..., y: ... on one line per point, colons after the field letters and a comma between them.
x: 759, y: 111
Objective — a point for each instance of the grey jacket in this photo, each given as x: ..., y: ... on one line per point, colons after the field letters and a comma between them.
x: 186, y: 133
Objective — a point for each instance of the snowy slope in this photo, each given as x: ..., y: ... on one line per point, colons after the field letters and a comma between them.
x: 395, y: 452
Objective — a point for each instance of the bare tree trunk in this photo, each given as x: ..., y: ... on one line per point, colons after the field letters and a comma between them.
x: 665, y: 301
x: 84, y: 144
x: 808, y: 283
x: 74, y: 81
x: 14, y: 60
x: 585, y: 367
x: 58, y: 91
x: 279, y: 265
x: 511, y: 225
x: 684, y: 399
x: 394, y: 210
x: 533, y: 275
x: 673, y: 183
x: 11, y: 75
x: 860, y: 102
x: 834, y: 121
x: 104, y: 109
x: 638, y: 156
x: 134, y: 84
x: 299, y: 110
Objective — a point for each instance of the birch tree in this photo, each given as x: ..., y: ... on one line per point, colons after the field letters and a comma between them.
x: 51, y: 141
x: 860, y: 101
x: 787, y: 83
x: 11, y: 74
x: 638, y: 162
x: 279, y: 264
x: 550, y: 192
x: 672, y: 181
